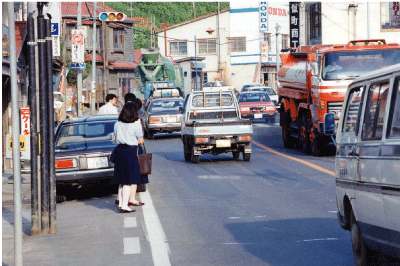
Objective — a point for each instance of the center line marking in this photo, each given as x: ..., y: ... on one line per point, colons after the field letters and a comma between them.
x: 296, y: 159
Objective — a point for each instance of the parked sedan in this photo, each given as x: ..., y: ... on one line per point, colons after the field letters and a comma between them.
x: 83, y: 146
x: 257, y: 105
x: 162, y: 116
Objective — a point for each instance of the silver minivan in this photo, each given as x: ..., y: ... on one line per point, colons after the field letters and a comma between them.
x: 367, y: 164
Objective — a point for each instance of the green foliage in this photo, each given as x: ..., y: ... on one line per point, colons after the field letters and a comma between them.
x: 73, y: 74
x: 162, y: 12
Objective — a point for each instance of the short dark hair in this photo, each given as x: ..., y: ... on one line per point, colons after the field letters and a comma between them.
x: 138, y: 103
x: 129, y: 113
x: 129, y: 97
x: 110, y: 97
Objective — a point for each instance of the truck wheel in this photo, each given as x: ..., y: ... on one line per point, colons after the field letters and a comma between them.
x: 195, y: 159
x: 287, y: 139
x: 315, y: 142
x: 358, y: 245
x: 246, y: 156
x: 235, y: 154
x: 187, y: 151
x: 304, y: 137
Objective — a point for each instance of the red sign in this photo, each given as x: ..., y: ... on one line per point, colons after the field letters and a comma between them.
x: 25, y: 121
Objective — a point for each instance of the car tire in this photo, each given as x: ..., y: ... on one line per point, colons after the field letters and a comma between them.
x: 150, y: 134
x: 357, y: 243
x: 246, y: 156
x: 235, y: 154
x: 287, y: 139
x: 195, y: 159
x: 315, y: 142
x: 187, y: 151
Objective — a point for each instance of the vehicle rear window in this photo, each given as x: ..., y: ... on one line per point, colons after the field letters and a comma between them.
x: 160, y: 106
x: 213, y: 100
x: 76, y: 134
x: 254, y: 97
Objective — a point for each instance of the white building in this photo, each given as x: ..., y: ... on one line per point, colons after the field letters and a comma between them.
x: 341, y: 22
x: 230, y: 41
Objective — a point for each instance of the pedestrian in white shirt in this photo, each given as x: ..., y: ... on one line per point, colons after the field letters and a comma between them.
x: 110, y: 107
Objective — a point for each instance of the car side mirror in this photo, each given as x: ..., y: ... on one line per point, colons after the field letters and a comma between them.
x: 329, y: 124
x: 181, y: 109
x: 314, y: 69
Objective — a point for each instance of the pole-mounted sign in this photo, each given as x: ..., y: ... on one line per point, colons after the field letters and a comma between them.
x: 78, y: 48
x: 294, y: 8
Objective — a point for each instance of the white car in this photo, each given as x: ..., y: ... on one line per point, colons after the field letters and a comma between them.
x: 246, y: 86
x: 217, y: 86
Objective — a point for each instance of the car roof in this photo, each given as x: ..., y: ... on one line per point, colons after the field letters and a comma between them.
x: 92, y: 118
x: 253, y: 92
x: 167, y: 99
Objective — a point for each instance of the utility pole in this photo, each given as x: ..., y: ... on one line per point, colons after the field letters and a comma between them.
x: 64, y: 31
x: 79, y: 80
x: 219, y: 52
x: 93, y: 87
x: 277, y: 50
x: 15, y: 136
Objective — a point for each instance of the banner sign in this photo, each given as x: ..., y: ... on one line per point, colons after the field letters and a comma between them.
x: 56, y: 46
x: 294, y: 8
x: 25, y: 121
x: 264, y: 52
x: 78, y: 48
x: 263, y: 16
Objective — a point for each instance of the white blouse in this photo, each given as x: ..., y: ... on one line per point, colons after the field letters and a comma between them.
x: 128, y: 133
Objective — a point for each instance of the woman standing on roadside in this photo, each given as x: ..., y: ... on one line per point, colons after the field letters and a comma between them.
x: 128, y: 135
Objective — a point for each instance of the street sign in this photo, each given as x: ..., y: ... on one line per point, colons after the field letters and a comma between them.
x: 55, y: 29
x: 78, y: 48
x: 78, y: 65
x: 56, y: 45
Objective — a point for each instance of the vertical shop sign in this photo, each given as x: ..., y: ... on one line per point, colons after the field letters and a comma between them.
x: 294, y: 8
x: 25, y: 121
x: 263, y: 16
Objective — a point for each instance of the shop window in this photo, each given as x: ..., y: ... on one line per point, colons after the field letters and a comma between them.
x: 285, y: 41
x: 315, y: 20
x: 390, y: 16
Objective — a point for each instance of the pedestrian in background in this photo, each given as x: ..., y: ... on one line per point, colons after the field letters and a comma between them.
x: 128, y: 135
x: 129, y: 97
x: 110, y: 107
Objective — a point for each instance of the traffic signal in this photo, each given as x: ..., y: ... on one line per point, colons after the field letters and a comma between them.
x: 112, y: 16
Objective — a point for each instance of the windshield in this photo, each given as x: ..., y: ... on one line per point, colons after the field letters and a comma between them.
x: 166, y: 106
x: 351, y: 64
x: 87, y: 135
x: 254, y: 97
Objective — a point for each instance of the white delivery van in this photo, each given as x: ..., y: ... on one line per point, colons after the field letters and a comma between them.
x: 367, y: 164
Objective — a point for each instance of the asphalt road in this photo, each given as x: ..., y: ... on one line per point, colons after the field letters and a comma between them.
x: 278, y: 209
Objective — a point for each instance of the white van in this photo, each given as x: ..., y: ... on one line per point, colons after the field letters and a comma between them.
x: 367, y: 164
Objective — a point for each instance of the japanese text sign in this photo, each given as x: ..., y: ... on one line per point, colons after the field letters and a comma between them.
x: 294, y: 8
x: 78, y: 48
x: 25, y: 121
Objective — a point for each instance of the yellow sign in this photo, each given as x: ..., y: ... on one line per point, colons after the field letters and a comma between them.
x: 21, y: 143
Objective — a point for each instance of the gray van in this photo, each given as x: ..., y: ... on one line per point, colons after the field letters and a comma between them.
x: 367, y: 164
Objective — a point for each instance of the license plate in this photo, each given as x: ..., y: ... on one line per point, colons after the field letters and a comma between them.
x: 97, y: 162
x: 223, y: 143
x: 171, y: 119
x: 257, y: 115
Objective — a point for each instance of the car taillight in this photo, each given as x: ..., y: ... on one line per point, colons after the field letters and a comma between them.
x: 245, y: 138
x: 67, y: 163
x: 155, y: 119
x: 201, y: 140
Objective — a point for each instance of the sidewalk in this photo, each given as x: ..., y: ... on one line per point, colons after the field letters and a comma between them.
x: 89, y: 232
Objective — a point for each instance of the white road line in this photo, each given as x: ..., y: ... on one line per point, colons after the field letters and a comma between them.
x: 158, y: 241
x: 233, y: 177
x: 131, y: 245
x: 333, y: 211
x: 130, y: 222
x: 319, y: 239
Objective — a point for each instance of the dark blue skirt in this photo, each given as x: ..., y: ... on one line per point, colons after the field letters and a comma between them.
x: 126, y: 166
